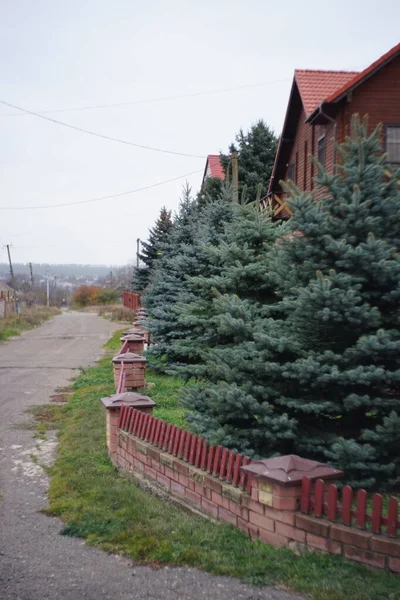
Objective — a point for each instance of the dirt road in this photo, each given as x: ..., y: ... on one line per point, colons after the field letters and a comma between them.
x: 36, y: 563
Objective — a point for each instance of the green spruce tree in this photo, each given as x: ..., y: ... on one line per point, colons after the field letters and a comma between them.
x: 257, y: 149
x: 152, y: 249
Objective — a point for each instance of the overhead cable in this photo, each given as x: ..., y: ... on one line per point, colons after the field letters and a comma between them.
x: 100, y: 135
x: 78, y: 202
x: 159, y: 99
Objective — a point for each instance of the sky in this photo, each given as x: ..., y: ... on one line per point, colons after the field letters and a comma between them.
x: 163, y: 64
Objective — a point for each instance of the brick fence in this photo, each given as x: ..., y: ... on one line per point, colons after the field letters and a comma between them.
x: 209, y: 480
x: 285, y: 501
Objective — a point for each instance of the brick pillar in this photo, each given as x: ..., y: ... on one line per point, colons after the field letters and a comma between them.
x: 138, y: 329
x: 134, y: 342
x: 113, y: 406
x: 277, y: 481
x: 134, y: 367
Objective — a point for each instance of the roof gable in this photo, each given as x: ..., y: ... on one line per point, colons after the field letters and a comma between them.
x: 216, y: 170
x: 316, y: 86
x: 315, y: 90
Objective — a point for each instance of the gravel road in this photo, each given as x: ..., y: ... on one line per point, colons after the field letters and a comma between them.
x: 36, y: 563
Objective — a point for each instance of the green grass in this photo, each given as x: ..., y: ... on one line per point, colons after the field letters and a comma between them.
x: 113, y: 513
x: 29, y: 318
x: 163, y: 389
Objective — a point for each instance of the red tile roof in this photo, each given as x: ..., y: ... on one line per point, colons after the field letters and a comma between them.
x: 216, y: 170
x: 316, y: 86
x: 360, y: 76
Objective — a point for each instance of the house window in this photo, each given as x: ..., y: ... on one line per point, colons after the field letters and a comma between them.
x: 321, y: 150
x: 393, y: 144
x: 291, y: 171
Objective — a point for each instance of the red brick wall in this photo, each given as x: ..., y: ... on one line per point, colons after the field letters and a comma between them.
x: 283, y: 526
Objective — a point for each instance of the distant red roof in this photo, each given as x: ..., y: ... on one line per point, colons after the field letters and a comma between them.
x: 216, y: 170
x: 316, y: 86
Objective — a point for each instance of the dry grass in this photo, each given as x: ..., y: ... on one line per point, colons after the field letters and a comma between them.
x: 29, y: 318
x: 117, y: 312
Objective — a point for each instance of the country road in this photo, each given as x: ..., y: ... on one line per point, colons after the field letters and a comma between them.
x: 36, y: 562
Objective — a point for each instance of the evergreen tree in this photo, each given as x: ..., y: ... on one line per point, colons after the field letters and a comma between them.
x: 339, y: 275
x: 257, y: 149
x: 211, y: 190
x: 195, y: 228
x: 151, y: 250
x: 229, y: 403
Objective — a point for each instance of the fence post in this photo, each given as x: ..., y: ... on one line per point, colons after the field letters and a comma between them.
x: 279, y: 480
x: 113, y: 405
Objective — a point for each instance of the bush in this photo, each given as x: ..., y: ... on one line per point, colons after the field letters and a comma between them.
x: 91, y: 295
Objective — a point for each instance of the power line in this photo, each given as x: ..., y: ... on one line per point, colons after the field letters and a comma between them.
x: 141, y: 189
x: 100, y: 135
x: 159, y: 99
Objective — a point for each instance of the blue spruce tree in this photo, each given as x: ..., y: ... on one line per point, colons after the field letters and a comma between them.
x: 227, y: 400
x: 339, y: 277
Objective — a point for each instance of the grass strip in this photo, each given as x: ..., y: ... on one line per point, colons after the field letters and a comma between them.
x: 113, y: 513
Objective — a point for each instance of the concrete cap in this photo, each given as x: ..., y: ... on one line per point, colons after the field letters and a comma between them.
x: 132, y: 331
x: 128, y: 399
x: 128, y: 357
x: 132, y: 337
x: 290, y: 470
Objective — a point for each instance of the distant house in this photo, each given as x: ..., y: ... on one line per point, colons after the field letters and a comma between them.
x: 318, y: 117
x: 213, y: 168
x: 6, y: 291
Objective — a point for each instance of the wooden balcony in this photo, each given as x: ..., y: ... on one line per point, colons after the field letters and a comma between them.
x: 277, y: 203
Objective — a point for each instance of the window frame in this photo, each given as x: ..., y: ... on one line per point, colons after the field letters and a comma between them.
x: 291, y: 167
x: 320, y: 139
x: 388, y: 126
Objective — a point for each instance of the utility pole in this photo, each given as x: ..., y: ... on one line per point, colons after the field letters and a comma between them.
x: 31, y: 270
x: 137, y: 252
x: 12, y: 277
x: 235, y: 177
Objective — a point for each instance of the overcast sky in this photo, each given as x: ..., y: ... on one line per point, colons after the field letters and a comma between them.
x: 60, y: 55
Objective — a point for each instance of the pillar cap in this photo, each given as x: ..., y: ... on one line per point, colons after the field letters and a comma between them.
x: 290, y: 469
x: 131, y: 337
x: 132, y: 331
x: 128, y: 357
x: 128, y: 399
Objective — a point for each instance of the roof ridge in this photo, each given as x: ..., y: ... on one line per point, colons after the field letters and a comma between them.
x: 324, y: 71
x: 389, y: 55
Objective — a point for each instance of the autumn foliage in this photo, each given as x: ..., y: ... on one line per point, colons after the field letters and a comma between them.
x: 89, y: 295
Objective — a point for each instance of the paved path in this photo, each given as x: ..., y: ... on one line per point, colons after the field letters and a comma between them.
x: 36, y: 563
